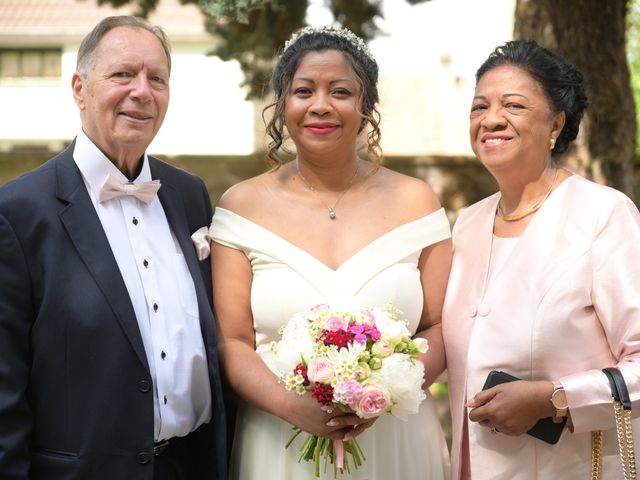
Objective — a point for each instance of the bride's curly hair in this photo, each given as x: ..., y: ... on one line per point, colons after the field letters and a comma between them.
x: 313, y: 39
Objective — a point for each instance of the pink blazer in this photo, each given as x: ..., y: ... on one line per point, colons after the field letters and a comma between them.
x: 565, y: 304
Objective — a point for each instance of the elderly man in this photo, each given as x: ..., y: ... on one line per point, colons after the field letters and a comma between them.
x: 108, y: 362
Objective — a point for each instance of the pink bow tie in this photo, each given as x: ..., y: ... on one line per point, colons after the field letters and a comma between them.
x: 112, y: 188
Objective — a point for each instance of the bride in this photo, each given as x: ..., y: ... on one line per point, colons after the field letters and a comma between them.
x: 327, y: 227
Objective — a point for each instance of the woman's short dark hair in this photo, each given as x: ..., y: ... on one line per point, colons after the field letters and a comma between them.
x: 319, y: 39
x: 561, y: 82
x: 90, y: 42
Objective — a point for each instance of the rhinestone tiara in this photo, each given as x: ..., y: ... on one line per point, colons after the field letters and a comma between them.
x: 345, y: 33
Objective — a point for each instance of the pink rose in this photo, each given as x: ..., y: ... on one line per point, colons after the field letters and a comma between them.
x: 334, y: 324
x: 373, y: 402
x: 348, y: 393
x: 320, y: 370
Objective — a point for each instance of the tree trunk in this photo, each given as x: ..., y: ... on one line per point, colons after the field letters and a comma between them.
x: 591, y: 35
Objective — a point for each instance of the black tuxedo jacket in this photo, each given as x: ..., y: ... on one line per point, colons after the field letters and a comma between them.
x: 76, y: 399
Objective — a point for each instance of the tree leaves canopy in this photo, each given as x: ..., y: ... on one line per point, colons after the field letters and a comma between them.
x: 237, y: 10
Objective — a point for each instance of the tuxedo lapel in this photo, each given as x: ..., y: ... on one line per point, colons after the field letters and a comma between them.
x: 174, y: 202
x: 174, y: 209
x: 87, y: 235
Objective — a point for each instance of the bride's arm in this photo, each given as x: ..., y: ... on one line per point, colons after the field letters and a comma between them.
x: 434, y: 265
x: 247, y: 374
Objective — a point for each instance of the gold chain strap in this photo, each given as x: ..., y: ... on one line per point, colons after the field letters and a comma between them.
x: 596, y: 455
x: 624, y: 432
x: 628, y: 439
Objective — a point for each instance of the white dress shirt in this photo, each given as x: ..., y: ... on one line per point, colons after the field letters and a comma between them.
x: 162, y: 293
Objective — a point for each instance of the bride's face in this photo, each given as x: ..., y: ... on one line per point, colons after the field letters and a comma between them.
x: 321, y: 108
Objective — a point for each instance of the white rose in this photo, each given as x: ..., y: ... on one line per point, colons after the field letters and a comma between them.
x: 296, y: 343
x: 391, y: 331
x: 381, y: 349
x: 421, y: 344
x: 403, y: 378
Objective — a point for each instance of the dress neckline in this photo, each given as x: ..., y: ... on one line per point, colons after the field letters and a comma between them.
x: 431, y: 217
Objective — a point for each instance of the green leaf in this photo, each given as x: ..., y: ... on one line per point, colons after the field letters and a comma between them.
x: 237, y: 10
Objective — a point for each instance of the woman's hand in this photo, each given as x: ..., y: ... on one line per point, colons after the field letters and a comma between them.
x: 512, y: 408
x: 306, y: 413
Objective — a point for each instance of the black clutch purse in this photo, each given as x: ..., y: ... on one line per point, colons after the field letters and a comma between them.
x: 546, y: 429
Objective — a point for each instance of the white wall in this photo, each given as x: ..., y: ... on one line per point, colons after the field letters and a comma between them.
x: 207, y: 112
x: 39, y: 111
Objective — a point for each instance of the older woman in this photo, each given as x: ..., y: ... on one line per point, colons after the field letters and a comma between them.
x: 545, y: 283
x: 327, y: 227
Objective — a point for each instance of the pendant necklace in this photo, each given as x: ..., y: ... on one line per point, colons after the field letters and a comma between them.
x: 330, y: 209
x: 530, y: 211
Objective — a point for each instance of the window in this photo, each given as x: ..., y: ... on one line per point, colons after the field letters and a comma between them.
x: 30, y: 63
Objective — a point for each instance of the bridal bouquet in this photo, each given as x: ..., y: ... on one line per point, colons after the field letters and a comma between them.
x: 362, y: 359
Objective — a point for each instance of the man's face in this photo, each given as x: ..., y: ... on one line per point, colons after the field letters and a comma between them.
x: 125, y: 95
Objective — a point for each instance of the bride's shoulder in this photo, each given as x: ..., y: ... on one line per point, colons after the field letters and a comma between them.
x: 410, y: 192
x: 246, y: 195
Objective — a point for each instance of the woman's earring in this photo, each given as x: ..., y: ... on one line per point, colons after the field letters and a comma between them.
x: 552, y: 143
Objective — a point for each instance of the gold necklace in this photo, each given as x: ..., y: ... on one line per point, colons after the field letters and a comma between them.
x: 526, y: 213
x: 331, y: 210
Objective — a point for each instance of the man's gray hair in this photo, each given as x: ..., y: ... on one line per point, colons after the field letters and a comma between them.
x: 91, y: 41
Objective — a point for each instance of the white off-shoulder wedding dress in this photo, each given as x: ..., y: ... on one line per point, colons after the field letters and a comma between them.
x: 286, y: 280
